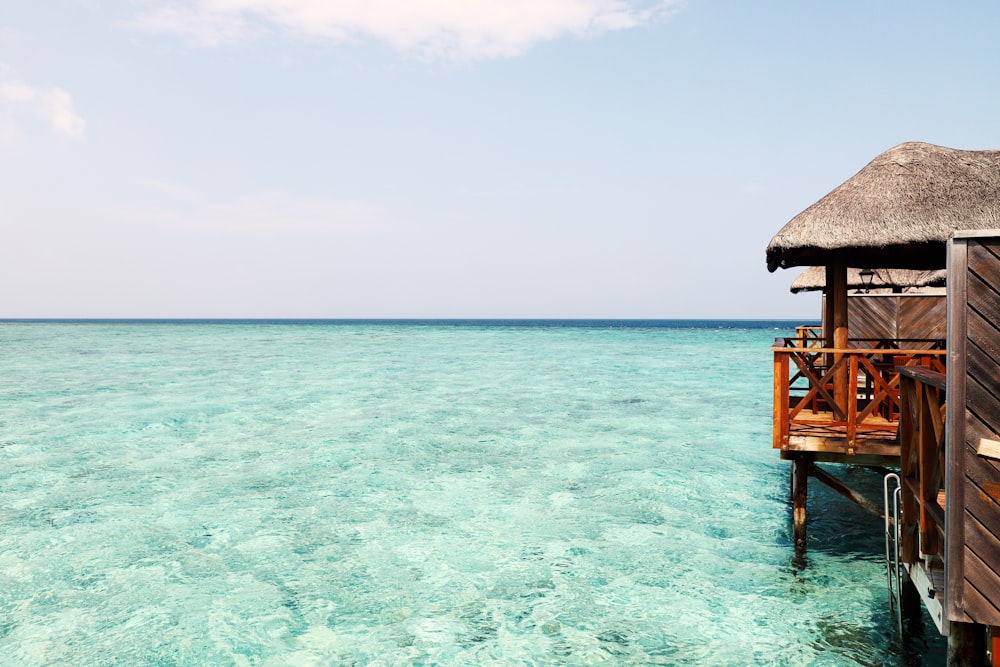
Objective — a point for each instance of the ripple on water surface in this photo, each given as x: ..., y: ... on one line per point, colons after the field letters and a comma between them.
x: 373, y: 494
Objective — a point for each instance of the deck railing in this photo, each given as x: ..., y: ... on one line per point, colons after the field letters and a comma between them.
x: 807, y: 403
x: 922, y: 463
x: 811, y: 336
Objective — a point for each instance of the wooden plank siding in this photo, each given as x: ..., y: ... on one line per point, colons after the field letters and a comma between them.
x: 973, y: 482
x: 980, y: 606
x: 872, y: 317
x: 922, y: 317
x: 897, y: 316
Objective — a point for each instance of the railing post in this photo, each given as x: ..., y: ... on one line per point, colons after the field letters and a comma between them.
x: 851, y: 398
x: 908, y: 469
x: 921, y: 433
x: 781, y: 391
x: 929, y: 481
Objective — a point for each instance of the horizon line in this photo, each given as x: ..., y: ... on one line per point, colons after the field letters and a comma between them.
x: 347, y: 320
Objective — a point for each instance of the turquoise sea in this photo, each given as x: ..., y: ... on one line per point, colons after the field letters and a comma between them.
x: 418, y: 493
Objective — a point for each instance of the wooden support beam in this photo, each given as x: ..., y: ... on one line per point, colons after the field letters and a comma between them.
x: 966, y: 645
x: 846, y: 491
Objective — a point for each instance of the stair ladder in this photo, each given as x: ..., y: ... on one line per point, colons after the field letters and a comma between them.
x: 892, y: 499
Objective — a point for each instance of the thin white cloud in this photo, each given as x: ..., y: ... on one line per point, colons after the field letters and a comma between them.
x: 199, y: 26
x: 435, y: 29
x: 8, y: 131
x: 172, y: 189
x: 9, y: 36
x: 15, y: 91
x: 267, y: 213
x: 54, y: 105
x: 281, y: 213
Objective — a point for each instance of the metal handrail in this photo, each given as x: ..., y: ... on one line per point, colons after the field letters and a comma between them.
x: 893, y: 572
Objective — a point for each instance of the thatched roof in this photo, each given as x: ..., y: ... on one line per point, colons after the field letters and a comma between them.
x: 814, y: 278
x: 897, y: 212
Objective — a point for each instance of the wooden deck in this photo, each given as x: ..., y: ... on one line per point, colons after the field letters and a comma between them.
x: 840, y: 405
x: 857, y: 423
x: 820, y: 433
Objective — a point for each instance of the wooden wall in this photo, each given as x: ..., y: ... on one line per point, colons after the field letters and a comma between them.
x: 972, y: 565
x: 897, y: 316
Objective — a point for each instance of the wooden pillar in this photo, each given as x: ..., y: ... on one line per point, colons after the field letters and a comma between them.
x: 828, y: 303
x: 966, y: 645
x: 801, y: 465
x: 836, y: 286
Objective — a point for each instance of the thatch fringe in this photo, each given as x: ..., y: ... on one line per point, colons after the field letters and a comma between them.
x: 897, y: 212
x: 814, y: 279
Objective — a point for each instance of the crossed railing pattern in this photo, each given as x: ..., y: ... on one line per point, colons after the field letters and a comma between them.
x: 804, y: 398
x: 810, y: 336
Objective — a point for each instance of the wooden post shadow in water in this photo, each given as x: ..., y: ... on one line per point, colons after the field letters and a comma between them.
x: 803, y: 467
x: 801, y: 464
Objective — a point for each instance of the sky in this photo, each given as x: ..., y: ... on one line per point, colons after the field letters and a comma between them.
x: 453, y: 158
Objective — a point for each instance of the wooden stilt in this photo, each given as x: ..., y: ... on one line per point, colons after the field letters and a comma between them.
x: 911, y: 608
x: 966, y: 645
x: 801, y: 465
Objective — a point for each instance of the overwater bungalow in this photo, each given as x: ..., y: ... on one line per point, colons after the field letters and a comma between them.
x: 926, y: 406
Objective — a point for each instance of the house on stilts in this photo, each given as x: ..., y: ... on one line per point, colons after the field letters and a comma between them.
x: 905, y: 382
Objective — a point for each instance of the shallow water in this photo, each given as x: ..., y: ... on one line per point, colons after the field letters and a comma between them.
x: 401, y: 494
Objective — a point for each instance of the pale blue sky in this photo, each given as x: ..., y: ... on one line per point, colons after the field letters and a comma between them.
x: 440, y: 158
